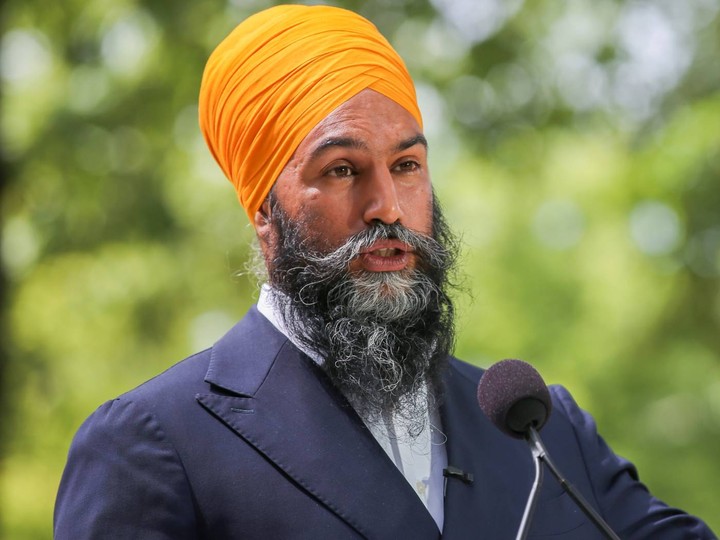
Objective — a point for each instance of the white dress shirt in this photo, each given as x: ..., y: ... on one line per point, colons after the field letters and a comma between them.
x: 420, y: 459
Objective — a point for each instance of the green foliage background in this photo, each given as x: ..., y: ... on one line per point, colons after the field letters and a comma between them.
x: 575, y: 146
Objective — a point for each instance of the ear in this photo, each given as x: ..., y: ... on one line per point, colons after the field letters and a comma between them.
x: 263, y: 224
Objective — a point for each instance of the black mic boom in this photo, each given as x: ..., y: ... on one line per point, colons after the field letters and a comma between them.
x: 513, y: 395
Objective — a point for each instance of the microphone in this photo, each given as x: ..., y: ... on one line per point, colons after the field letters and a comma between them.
x: 513, y: 395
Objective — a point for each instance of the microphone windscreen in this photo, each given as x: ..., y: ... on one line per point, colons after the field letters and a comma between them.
x: 513, y: 395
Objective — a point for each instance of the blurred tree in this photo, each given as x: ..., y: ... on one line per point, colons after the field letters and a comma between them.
x: 575, y: 145
x: 4, y: 330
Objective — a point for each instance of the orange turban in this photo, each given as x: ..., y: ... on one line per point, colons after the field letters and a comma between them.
x: 277, y: 75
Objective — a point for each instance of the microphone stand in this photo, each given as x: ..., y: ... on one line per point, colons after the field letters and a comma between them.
x: 532, y: 498
x: 540, y: 456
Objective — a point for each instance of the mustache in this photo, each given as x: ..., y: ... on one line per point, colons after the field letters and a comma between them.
x: 428, y: 251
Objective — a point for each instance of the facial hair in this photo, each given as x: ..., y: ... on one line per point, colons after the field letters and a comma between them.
x: 385, y: 337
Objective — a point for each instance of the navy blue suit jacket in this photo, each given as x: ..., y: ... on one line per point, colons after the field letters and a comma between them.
x: 249, y: 440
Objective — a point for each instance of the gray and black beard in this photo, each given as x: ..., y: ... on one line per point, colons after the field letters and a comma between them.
x: 385, y: 337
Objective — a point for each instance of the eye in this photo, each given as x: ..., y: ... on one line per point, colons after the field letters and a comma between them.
x: 341, y: 171
x: 408, y: 166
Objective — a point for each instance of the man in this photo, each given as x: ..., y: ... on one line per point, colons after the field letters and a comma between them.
x: 333, y: 409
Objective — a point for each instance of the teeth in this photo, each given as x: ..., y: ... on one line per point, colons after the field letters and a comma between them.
x: 386, y: 252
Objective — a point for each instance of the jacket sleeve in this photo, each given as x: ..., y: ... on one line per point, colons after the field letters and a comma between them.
x: 123, y: 479
x: 625, y: 503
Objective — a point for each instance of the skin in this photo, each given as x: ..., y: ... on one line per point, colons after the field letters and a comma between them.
x: 366, y: 161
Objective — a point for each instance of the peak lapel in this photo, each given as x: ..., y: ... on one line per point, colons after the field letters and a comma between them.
x: 285, y: 407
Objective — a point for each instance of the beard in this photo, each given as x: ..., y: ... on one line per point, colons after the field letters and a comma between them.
x: 385, y: 337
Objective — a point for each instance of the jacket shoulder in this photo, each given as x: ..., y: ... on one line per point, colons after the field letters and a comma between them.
x: 468, y: 371
x: 241, y: 356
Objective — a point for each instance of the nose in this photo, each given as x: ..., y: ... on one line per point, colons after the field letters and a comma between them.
x: 381, y: 200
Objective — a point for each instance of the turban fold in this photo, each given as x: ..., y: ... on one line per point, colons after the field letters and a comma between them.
x: 277, y: 75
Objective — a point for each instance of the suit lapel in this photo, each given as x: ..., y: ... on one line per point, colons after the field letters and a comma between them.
x: 280, y: 402
x: 490, y: 507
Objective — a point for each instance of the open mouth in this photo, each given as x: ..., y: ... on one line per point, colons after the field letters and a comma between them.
x: 387, y: 252
x: 386, y: 256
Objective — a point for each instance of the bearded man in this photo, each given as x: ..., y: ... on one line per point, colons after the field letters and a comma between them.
x: 334, y: 409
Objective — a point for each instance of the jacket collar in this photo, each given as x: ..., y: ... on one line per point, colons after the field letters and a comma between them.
x: 242, y: 359
x: 279, y: 401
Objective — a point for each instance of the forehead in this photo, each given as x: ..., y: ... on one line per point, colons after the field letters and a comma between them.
x: 369, y: 118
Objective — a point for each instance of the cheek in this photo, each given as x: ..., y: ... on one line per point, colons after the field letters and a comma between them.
x: 325, y: 225
x: 331, y: 218
x: 418, y: 211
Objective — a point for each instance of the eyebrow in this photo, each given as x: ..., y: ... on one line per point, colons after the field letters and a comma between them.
x: 356, y: 144
x: 337, y: 142
x: 412, y: 141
